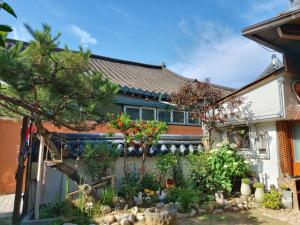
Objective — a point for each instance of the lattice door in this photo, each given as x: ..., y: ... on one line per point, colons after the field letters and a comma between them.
x: 285, y: 144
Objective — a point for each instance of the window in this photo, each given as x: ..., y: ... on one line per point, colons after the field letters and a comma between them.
x: 178, y: 117
x: 239, y: 136
x: 191, y: 120
x: 148, y: 114
x: 164, y: 116
x: 133, y: 112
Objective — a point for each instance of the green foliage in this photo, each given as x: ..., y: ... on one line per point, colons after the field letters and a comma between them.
x: 98, y: 158
x: 225, y: 163
x: 258, y: 185
x: 131, y: 185
x: 177, y: 171
x: 246, y: 181
x: 51, y: 85
x: 107, y: 196
x: 184, y: 195
x: 149, y: 181
x: 57, y: 208
x: 4, y: 29
x: 272, y: 200
x: 164, y: 163
x: 284, y: 187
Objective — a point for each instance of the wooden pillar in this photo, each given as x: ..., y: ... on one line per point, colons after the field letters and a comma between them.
x: 39, y: 179
x: 20, y: 172
x: 285, y: 147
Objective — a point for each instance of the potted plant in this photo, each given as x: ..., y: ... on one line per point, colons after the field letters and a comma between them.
x: 259, y: 191
x: 287, y: 196
x: 245, y: 187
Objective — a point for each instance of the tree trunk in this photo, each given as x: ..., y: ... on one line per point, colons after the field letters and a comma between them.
x: 143, y: 169
x: 55, y: 154
x: 125, y: 166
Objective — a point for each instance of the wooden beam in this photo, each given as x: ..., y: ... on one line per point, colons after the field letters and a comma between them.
x: 39, y: 179
x: 20, y: 172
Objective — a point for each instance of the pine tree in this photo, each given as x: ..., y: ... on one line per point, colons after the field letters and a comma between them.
x: 54, y: 85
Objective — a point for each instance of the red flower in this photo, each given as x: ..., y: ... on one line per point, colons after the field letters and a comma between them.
x: 118, y: 119
x: 120, y: 124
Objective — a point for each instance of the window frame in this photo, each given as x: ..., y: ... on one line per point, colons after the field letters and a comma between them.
x: 184, y: 117
x: 141, y: 113
x: 157, y: 116
x: 132, y: 107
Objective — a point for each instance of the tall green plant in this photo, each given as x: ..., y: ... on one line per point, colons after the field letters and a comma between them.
x: 225, y: 163
x: 164, y: 164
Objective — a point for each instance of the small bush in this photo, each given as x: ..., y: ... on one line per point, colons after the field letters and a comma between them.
x: 272, y: 200
x: 107, y: 196
x: 246, y: 181
x: 284, y: 187
x: 258, y: 185
x: 185, y: 196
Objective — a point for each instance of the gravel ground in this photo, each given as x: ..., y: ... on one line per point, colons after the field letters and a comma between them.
x: 286, y: 215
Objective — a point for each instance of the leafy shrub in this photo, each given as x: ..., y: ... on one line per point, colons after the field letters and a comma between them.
x: 246, y: 181
x: 164, y: 164
x: 284, y: 187
x: 185, y: 196
x: 107, y: 196
x: 149, y: 182
x: 98, y: 158
x: 131, y: 186
x: 225, y: 163
x: 272, y: 200
x: 258, y: 185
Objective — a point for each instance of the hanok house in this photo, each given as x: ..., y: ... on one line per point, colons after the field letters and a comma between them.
x: 271, y: 137
x: 144, y: 94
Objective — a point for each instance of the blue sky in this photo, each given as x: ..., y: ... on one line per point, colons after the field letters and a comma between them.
x: 196, y: 38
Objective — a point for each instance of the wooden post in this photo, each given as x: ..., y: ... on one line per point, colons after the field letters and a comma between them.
x: 19, y: 173
x: 28, y: 173
x: 39, y: 179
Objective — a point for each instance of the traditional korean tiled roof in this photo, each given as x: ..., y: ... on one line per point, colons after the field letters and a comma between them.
x: 139, y: 76
x: 274, y: 65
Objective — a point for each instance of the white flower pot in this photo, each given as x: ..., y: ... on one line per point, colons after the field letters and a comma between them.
x: 287, y: 199
x: 259, y: 194
x: 245, y: 189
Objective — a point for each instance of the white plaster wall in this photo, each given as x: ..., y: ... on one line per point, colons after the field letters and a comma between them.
x: 265, y: 101
x: 54, y: 184
x: 266, y: 166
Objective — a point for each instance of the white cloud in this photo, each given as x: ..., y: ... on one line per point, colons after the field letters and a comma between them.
x: 263, y: 9
x: 20, y: 33
x: 222, y: 55
x: 85, y: 37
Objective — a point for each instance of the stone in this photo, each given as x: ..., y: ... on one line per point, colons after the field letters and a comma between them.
x: 195, y: 205
x: 235, y: 209
x: 246, y: 207
x: 109, y: 219
x: 155, y: 216
x: 105, y: 209
x: 125, y: 221
x: 116, y: 223
x: 228, y: 208
x: 140, y: 216
x: 240, y: 206
x: 160, y: 205
x: 193, y: 213
x: 218, y: 211
x: 132, y: 218
x: 182, y: 215
x: 134, y: 210
x: 244, y: 198
x: 121, y: 216
x: 201, y: 211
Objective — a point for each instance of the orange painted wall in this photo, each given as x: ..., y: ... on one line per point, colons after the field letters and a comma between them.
x: 9, y: 146
x: 172, y: 129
